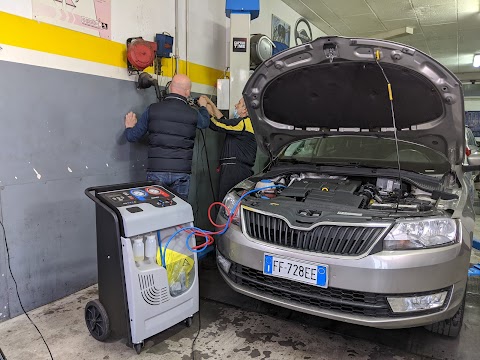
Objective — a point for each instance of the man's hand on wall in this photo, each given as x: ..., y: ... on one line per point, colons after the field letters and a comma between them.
x: 130, y: 120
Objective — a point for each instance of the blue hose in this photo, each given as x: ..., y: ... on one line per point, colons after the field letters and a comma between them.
x: 159, y: 240
x: 206, y: 232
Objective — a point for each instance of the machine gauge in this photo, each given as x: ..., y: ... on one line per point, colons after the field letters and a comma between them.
x: 153, y: 191
x: 139, y: 194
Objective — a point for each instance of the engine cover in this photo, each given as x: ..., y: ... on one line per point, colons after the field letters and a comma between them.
x: 313, y: 191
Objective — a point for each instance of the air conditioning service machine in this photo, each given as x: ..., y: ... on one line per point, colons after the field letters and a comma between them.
x: 146, y: 282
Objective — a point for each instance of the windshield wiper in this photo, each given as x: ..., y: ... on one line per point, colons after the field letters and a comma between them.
x: 295, y: 161
x: 352, y: 165
x: 360, y: 165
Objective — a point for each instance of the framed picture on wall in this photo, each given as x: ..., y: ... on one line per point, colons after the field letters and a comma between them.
x: 280, y: 30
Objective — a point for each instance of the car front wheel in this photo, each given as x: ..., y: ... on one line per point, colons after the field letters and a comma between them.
x: 450, y: 327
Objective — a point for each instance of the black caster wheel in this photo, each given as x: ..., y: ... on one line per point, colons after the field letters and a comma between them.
x: 138, y: 348
x: 189, y: 321
x: 97, y: 321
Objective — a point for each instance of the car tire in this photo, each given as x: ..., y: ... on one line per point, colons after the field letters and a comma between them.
x: 450, y: 327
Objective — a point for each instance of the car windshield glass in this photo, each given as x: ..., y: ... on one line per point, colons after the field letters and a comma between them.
x: 365, y: 151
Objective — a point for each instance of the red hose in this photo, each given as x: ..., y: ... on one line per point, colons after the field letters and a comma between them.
x: 208, y: 234
x: 221, y: 226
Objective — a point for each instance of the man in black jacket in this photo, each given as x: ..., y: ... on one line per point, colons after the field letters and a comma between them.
x: 171, y: 126
x: 240, y: 147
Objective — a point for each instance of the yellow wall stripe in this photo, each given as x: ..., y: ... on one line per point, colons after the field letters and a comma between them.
x: 203, y: 74
x: 30, y: 34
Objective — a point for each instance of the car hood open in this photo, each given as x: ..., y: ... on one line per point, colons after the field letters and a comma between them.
x: 334, y: 85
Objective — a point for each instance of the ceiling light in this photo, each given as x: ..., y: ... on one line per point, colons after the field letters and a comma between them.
x: 476, y: 60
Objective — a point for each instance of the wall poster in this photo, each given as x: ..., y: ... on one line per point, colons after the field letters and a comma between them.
x: 89, y: 16
x: 280, y: 31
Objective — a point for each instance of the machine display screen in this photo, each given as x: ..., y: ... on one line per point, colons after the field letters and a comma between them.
x: 154, y: 195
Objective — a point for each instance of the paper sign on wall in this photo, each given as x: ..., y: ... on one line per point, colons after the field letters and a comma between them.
x: 89, y: 16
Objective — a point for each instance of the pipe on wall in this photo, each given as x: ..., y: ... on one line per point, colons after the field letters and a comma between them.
x: 177, y: 52
x: 187, y: 10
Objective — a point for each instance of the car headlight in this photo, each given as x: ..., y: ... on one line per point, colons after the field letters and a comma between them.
x: 421, y: 234
x: 230, y: 200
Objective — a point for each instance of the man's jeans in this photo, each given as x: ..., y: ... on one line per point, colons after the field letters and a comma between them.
x: 178, y: 182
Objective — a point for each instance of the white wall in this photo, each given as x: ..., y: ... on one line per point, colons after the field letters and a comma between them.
x: 142, y: 18
x: 472, y: 104
x: 17, y: 7
x: 263, y: 24
x: 207, y: 33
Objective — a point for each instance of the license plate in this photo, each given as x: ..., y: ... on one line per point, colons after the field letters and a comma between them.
x: 296, y: 270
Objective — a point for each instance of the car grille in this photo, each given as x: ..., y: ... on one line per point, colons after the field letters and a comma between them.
x: 338, y: 300
x: 325, y: 239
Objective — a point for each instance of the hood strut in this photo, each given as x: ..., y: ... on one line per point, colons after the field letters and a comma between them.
x: 394, y: 124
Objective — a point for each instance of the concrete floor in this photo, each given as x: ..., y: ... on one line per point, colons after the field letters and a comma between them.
x: 227, y: 333
x: 237, y: 327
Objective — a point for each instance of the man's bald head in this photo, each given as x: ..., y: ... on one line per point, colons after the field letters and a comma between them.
x: 181, y: 85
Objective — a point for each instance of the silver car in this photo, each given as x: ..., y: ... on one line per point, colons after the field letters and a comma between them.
x: 471, y: 141
x: 363, y: 214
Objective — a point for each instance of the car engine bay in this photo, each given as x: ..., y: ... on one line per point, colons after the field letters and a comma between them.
x: 347, y: 192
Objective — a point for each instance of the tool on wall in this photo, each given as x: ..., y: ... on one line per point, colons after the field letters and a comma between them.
x: 140, y: 54
x: 303, y: 34
x: 146, y: 81
x: 261, y: 49
x: 164, y: 43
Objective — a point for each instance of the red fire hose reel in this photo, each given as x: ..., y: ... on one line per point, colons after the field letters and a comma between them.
x: 140, y: 54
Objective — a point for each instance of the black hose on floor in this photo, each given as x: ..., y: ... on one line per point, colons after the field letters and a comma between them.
x: 18, y: 295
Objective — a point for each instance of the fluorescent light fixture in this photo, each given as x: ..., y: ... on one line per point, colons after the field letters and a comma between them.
x: 476, y: 60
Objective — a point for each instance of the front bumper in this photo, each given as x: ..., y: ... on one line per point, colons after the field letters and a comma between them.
x: 357, y: 287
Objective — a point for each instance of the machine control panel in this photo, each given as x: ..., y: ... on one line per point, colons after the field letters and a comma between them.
x: 153, y: 195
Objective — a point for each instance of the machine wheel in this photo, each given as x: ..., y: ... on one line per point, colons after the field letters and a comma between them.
x: 97, y: 321
x: 450, y: 327
x: 138, y: 348
x: 189, y: 321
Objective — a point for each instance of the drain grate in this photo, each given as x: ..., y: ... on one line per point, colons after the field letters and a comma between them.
x: 2, y: 355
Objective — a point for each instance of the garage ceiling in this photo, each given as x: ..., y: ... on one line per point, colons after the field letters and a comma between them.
x: 448, y: 30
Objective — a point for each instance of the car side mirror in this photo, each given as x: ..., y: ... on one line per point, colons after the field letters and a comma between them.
x: 473, y: 163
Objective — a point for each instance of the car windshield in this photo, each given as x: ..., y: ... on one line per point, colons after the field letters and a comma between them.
x: 366, y: 151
